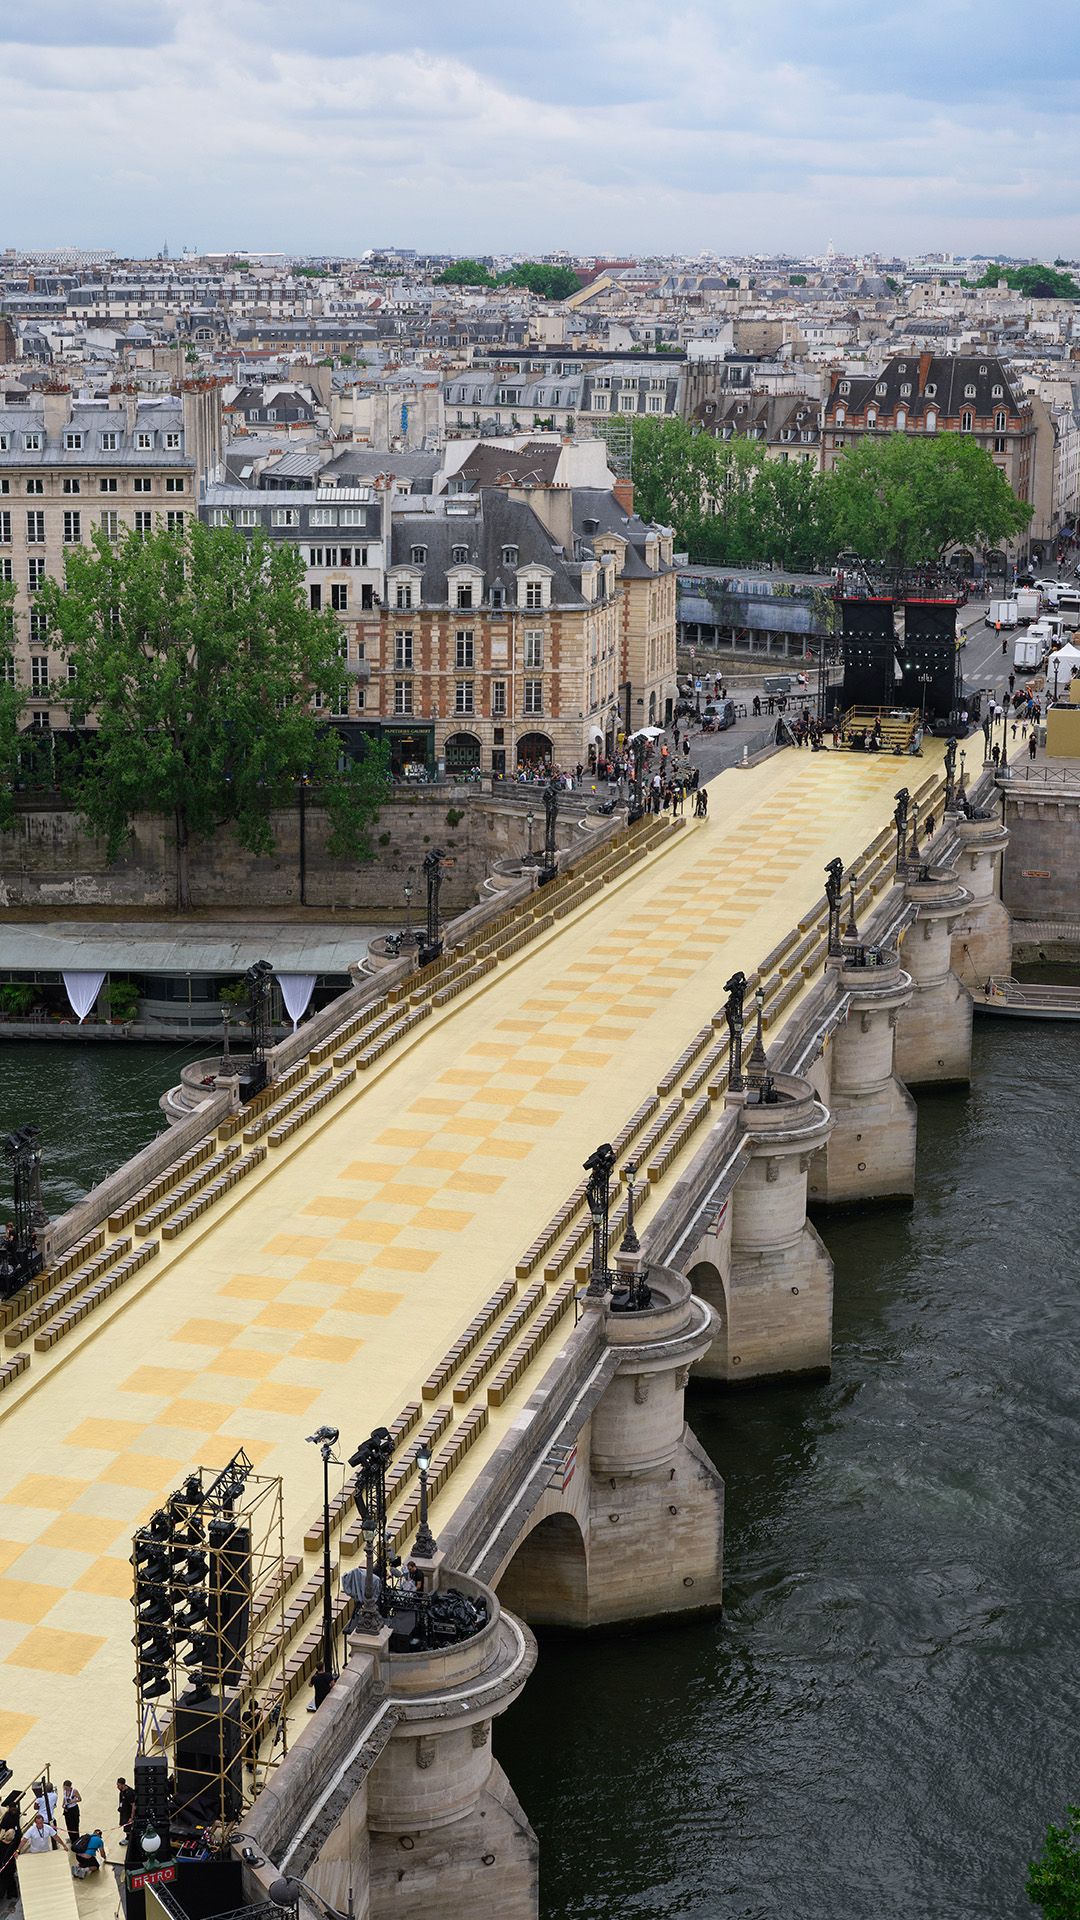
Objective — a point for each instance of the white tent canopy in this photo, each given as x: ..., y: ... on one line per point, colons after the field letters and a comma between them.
x: 1061, y: 666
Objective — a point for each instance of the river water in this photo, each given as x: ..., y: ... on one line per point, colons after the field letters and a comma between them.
x: 884, y: 1721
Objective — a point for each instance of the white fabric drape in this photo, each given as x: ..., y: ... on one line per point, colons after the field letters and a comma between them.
x: 82, y: 990
x: 296, y: 991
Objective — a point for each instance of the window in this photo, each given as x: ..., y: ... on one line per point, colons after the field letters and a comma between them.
x: 403, y: 597
x: 143, y: 522
x: 931, y: 390
x: 5, y: 442
x: 465, y: 650
x: 403, y: 696
x: 35, y: 486
x: 285, y: 517
x: 32, y: 442
x: 871, y: 416
x: 905, y: 390
x: 998, y: 393
x: 841, y: 416
x: 144, y: 442
x: 1001, y: 444
x: 534, y: 646
x: 534, y: 696
x: 418, y: 556
x: 403, y: 656
x: 534, y: 594
x: 901, y: 419
x: 35, y: 574
x: 174, y: 483
x: 142, y: 484
x: 322, y: 517
x: 72, y: 672
x: 7, y: 669
x: 39, y: 629
x: 844, y: 387
x: 464, y: 593
x: 965, y: 422
x: 72, y: 529
x: 35, y: 529
x: 174, y: 441
x: 931, y: 422
x: 496, y: 599
x: 655, y: 402
x: 460, y: 556
x: 109, y: 442
x: 72, y: 486
x: 351, y: 517
x: 600, y: 403
x: 463, y: 697
x: 339, y: 598
x: 1000, y: 421
x: 628, y: 403
x: 174, y: 522
x: 110, y: 524
x: 509, y: 556
x: 880, y: 388
x: 315, y: 597
x: 5, y: 529
x: 107, y: 486
x: 39, y: 672
x: 246, y: 517
x: 498, y: 697
x: 6, y: 572
x: 73, y: 442
x: 969, y: 393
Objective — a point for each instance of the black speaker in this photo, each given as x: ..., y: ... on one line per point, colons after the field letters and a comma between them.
x: 229, y: 1595
x: 869, y: 652
x: 209, y: 1774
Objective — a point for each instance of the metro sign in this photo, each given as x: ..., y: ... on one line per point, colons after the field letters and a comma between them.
x: 151, y: 1877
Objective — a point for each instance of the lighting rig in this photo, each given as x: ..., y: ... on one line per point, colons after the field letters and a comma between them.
x: 208, y: 1592
x: 258, y: 979
x: 387, y: 1595
x: 20, y: 1256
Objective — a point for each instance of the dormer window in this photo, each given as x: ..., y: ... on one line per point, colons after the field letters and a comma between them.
x: 32, y: 442
x: 880, y: 388
x: 905, y: 391
x: 983, y: 370
x: 418, y: 556
x: 871, y: 416
x: 73, y: 442
x: 998, y: 393
x: 464, y: 593
x: 965, y: 421
x: 509, y: 556
x: 931, y: 390
x: 144, y: 442
x: 110, y: 442
x: 969, y: 392
x: 460, y: 556
x: 844, y: 387
x: 999, y: 422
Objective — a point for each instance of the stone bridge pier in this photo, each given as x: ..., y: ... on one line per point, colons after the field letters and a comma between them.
x: 982, y: 937
x: 762, y: 1266
x: 870, y: 1153
x: 933, y: 1036
x: 637, y: 1530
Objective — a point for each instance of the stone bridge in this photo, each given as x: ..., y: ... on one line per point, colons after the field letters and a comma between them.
x: 397, y: 1233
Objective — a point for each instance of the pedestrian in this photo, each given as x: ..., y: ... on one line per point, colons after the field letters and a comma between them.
x: 1032, y: 744
x: 10, y: 1836
x: 125, y: 1805
x: 995, y: 754
x: 41, y: 1836
x: 90, y: 1854
x: 45, y: 1799
x: 71, y: 1801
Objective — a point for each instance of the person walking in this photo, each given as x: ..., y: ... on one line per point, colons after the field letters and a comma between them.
x: 70, y: 1802
x: 1032, y: 744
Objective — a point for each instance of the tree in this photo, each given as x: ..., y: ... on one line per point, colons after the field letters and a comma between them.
x: 1037, y: 283
x: 196, y: 661
x: 1053, y: 1881
x: 465, y: 273
x: 796, y: 279
x: 906, y: 499
x: 550, y: 282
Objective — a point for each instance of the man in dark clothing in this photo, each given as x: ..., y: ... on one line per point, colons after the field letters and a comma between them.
x: 125, y: 1803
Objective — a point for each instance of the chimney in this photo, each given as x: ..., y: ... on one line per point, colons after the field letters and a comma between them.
x: 56, y: 408
x: 131, y: 407
x: 623, y: 491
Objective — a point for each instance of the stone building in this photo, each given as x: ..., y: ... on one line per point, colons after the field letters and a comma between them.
x: 69, y: 468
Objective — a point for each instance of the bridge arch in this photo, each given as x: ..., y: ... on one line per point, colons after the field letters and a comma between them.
x: 707, y: 1282
x: 547, y: 1581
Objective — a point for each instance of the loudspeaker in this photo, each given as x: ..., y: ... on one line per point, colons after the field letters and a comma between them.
x: 868, y: 644
x: 209, y: 1775
x: 229, y: 1595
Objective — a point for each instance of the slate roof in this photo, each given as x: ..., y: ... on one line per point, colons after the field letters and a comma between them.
x: 948, y: 374
x: 496, y: 522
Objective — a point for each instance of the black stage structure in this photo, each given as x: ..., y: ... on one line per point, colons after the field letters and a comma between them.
x: 910, y: 664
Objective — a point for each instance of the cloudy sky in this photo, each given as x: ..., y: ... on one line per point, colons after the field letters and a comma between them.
x: 599, y: 125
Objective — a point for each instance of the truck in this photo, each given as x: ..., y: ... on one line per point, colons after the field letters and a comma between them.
x: 1001, y: 613
x: 1028, y: 605
x: 1029, y: 647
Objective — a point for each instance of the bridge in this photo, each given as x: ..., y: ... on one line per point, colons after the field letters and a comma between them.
x: 396, y: 1232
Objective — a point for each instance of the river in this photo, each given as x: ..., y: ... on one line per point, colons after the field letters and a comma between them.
x: 884, y: 1721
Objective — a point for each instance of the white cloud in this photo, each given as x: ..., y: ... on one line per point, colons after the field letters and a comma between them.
x: 599, y: 124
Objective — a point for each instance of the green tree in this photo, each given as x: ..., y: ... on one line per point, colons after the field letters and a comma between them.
x: 796, y: 279
x: 1053, y: 1882
x: 12, y: 708
x: 1037, y: 283
x: 196, y: 661
x: 906, y: 499
x: 550, y: 282
x: 464, y: 273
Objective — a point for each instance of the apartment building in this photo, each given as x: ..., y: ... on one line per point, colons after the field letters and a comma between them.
x: 70, y: 467
x: 788, y: 424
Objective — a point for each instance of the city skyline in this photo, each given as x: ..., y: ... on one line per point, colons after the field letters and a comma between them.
x: 602, y: 129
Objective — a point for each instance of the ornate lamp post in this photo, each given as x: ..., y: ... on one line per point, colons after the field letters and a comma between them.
x: 530, y: 822
x: 426, y: 1544
x: 433, y: 875
x: 950, y: 775
x: 900, y: 821
x: 834, y: 892
x: 408, y: 909
x: 325, y: 1438
x: 551, y: 814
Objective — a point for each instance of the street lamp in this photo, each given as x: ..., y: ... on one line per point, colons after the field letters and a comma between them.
x: 530, y: 820
x: 325, y: 1438
x: 408, y: 911
x: 735, y: 988
x: 599, y: 1167
x: 286, y: 1892
x: 426, y: 1545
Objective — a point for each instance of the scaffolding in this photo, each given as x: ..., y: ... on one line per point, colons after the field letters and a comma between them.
x: 209, y: 1596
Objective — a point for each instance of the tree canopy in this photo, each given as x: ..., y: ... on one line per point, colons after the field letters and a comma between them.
x: 903, y: 499
x: 12, y: 706
x: 1038, y: 283
x: 549, y: 282
x: 1053, y: 1882
x: 196, y: 660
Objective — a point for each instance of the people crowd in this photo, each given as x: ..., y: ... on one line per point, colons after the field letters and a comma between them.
x: 28, y: 1824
